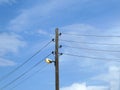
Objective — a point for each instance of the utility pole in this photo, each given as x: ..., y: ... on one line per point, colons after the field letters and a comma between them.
x: 57, y: 59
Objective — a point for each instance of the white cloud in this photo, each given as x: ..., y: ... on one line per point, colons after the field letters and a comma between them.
x: 75, y: 86
x: 36, y: 14
x: 7, y: 1
x: 42, y: 32
x: 4, y: 62
x: 78, y: 86
x: 9, y: 43
x: 112, y: 77
x: 97, y: 88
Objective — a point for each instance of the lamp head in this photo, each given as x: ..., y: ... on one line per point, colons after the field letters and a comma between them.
x: 47, y: 60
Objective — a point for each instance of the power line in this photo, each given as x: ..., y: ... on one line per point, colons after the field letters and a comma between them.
x: 91, y: 35
x: 7, y: 75
x: 24, y: 73
x: 97, y: 58
x: 21, y: 82
x: 88, y: 42
x: 91, y: 49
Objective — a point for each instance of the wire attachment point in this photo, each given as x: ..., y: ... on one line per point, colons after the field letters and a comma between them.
x: 53, y: 40
x: 60, y: 34
x: 53, y: 52
x: 60, y: 54
x: 60, y: 46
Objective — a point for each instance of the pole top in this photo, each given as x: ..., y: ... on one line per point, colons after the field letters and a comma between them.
x: 57, y: 28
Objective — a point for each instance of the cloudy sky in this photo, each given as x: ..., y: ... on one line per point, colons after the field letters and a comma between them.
x: 90, y: 39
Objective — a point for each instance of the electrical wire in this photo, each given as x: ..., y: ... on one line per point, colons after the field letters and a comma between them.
x: 97, y: 58
x: 33, y: 74
x: 7, y: 75
x: 5, y: 86
x: 91, y: 49
x: 88, y: 42
x: 91, y: 35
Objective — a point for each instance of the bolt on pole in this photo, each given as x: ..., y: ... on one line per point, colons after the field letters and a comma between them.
x: 57, y: 59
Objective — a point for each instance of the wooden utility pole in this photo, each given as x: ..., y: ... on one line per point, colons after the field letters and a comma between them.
x: 57, y: 59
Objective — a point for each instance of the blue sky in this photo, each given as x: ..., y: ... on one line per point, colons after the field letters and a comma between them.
x: 27, y: 25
